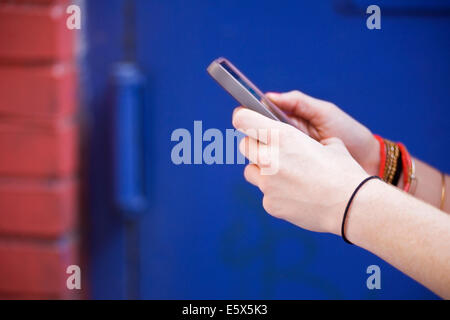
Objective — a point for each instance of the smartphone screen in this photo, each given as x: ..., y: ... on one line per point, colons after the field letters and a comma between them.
x: 241, y: 81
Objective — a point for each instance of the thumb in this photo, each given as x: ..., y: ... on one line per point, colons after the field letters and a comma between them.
x: 333, y: 141
x: 298, y: 104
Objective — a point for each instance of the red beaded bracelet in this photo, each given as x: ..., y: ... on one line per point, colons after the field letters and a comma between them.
x: 407, y: 167
x: 407, y: 164
x: 382, y: 155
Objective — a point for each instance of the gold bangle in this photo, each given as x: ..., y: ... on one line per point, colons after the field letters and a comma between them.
x: 413, y: 177
x: 443, y: 192
x: 386, y: 162
x: 392, y: 155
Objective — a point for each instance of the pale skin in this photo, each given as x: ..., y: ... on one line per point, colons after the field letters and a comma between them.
x: 320, y: 166
x: 321, y: 119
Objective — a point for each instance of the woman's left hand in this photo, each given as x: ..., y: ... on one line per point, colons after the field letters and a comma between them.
x: 309, y: 182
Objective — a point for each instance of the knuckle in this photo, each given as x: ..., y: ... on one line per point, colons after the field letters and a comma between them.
x: 244, y: 147
x: 296, y: 93
x: 246, y: 173
x: 330, y: 105
x: 237, y: 119
x: 267, y: 204
x: 242, y: 144
x: 264, y: 185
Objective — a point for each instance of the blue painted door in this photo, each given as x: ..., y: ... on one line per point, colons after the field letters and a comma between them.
x: 202, y: 232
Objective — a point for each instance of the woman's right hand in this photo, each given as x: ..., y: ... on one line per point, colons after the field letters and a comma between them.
x: 322, y: 120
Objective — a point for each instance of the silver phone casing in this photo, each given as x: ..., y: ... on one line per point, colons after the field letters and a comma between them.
x: 241, y: 94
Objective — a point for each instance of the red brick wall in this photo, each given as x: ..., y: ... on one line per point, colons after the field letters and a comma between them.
x: 38, y: 150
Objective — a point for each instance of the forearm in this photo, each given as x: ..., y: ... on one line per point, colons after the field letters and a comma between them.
x: 428, y: 186
x: 409, y: 234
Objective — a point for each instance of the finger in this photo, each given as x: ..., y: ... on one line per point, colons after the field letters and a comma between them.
x: 236, y: 110
x: 297, y: 103
x: 255, y: 125
x: 255, y: 151
x: 252, y: 174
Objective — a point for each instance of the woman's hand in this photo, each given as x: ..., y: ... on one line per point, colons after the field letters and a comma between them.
x: 322, y: 120
x: 313, y: 180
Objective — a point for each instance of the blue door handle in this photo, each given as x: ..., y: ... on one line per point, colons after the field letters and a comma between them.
x: 128, y: 140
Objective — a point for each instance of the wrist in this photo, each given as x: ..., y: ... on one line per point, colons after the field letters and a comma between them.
x: 359, y: 217
x: 334, y: 223
x: 372, y: 162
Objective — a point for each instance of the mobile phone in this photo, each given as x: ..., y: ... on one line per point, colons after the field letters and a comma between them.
x: 243, y: 90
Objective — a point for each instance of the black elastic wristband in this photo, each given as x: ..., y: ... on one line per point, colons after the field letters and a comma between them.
x: 399, y: 169
x: 349, y: 203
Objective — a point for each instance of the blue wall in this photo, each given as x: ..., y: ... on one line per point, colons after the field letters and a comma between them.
x: 204, y: 233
